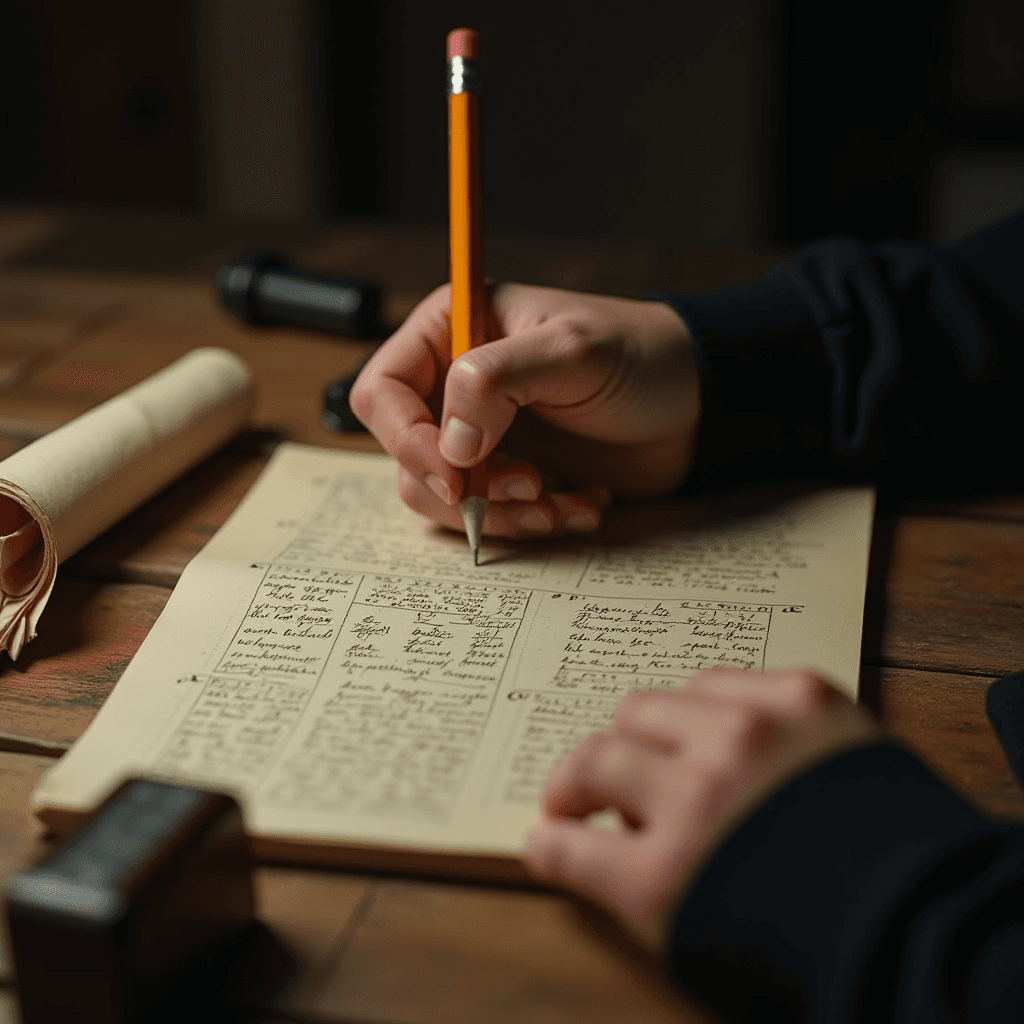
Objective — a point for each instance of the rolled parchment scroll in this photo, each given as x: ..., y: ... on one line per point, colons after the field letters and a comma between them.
x: 65, y: 489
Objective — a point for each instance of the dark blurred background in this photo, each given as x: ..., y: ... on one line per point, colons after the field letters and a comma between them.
x: 751, y: 124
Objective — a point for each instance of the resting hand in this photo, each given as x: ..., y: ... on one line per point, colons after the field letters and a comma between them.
x: 591, y: 398
x: 681, y: 768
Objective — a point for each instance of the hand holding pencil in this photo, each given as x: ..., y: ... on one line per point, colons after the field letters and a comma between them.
x: 589, y: 397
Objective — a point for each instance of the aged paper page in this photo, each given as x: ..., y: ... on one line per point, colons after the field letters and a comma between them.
x: 65, y: 489
x: 343, y: 667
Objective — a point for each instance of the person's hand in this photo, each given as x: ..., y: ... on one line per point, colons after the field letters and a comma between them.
x: 590, y: 397
x: 681, y: 768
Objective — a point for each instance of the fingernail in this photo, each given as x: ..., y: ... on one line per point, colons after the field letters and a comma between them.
x: 460, y: 441
x: 582, y: 522
x: 535, y: 521
x: 600, y: 495
x: 439, y: 487
x: 520, y: 488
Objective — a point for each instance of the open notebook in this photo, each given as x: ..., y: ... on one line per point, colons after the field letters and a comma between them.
x: 376, y: 701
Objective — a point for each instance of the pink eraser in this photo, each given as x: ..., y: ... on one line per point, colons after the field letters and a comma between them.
x: 463, y: 42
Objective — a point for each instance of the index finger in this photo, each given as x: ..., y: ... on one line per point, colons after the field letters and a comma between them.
x: 395, y: 390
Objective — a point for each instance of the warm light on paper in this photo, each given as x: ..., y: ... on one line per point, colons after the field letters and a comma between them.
x: 367, y: 692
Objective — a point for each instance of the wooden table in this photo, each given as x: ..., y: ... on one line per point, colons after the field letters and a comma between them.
x: 944, y: 616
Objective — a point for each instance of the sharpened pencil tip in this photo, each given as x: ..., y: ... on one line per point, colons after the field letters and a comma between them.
x: 473, y: 511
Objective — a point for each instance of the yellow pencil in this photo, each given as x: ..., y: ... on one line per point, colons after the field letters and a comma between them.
x: 468, y: 320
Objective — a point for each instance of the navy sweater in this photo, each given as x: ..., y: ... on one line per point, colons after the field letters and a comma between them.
x: 865, y: 889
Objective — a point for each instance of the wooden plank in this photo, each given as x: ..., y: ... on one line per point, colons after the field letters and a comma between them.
x: 27, y: 414
x: 1006, y: 507
x: 399, y: 258
x: 941, y: 717
x: 953, y: 596
x: 26, y: 341
x: 161, y: 300
x: 427, y: 952
x: 87, y: 635
x: 292, y: 369
x: 33, y: 328
x: 312, y: 915
x: 959, y: 559
x: 9, y: 445
x: 947, y: 635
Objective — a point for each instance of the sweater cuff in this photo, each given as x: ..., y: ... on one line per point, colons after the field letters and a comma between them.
x: 765, y: 382
x: 784, y: 920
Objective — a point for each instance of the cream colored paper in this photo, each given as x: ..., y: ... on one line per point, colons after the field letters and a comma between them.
x: 345, y: 670
x: 65, y: 489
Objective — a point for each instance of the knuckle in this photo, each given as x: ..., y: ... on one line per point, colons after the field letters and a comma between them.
x: 470, y: 376
x: 692, y: 795
x: 740, y: 727
x: 406, y: 446
x: 717, y: 677
x: 633, y: 705
x: 803, y: 692
x: 572, y: 342
x: 742, y: 721
x: 588, y: 757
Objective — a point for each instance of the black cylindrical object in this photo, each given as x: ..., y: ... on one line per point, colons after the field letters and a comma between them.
x: 259, y: 288
x: 336, y: 413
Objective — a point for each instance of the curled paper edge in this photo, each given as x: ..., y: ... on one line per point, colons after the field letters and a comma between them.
x: 20, y: 612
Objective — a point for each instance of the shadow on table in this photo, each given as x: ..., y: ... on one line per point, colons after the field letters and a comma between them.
x: 879, y: 563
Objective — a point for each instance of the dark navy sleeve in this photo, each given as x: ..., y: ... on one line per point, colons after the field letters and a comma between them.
x: 863, y: 891
x: 900, y: 362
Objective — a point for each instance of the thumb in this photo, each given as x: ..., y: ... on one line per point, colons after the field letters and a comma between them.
x: 554, y: 367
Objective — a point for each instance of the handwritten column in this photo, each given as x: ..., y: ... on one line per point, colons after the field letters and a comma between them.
x: 406, y: 696
x: 610, y: 648
x: 248, y: 707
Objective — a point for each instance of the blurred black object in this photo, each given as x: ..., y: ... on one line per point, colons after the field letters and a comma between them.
x: 260, y: 288
x: 138, y: 916
x: 337, y: 414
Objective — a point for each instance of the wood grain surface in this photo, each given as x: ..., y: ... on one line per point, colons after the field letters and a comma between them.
x: 952, y: 595
x: 941, y: 717
x: 428, y: 953
x: 313, y: 915
x: 87, y: 635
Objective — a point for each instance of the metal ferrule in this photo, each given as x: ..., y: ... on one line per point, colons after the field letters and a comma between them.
x: 463, y: 76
